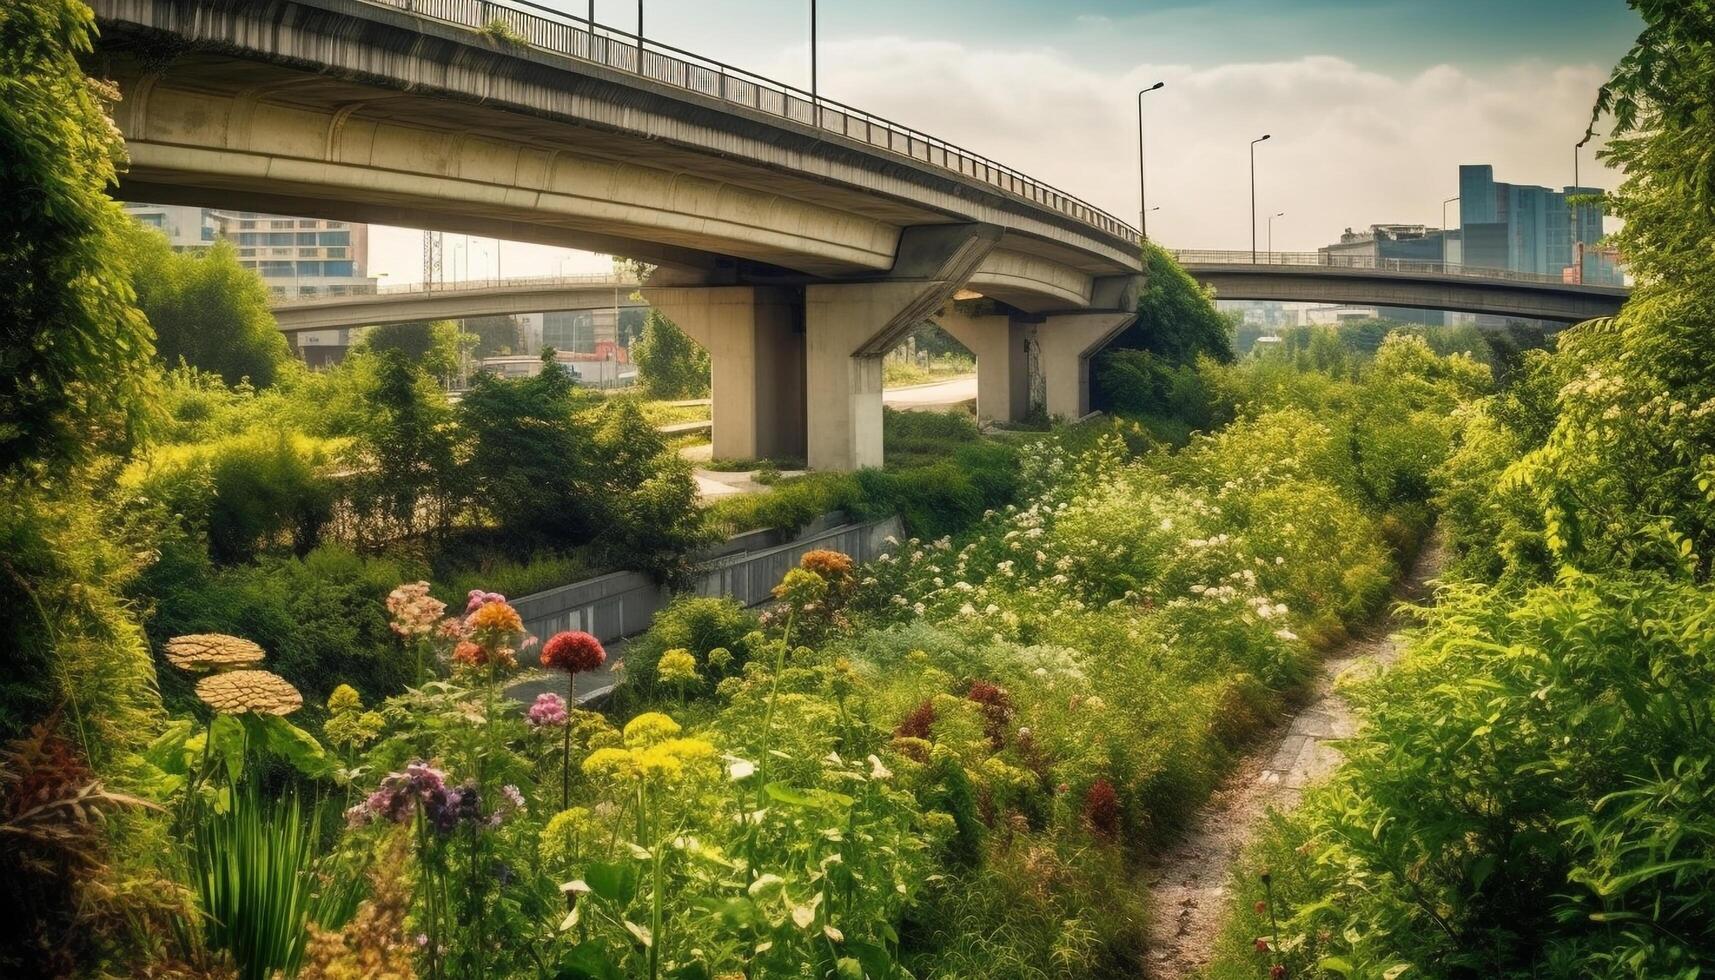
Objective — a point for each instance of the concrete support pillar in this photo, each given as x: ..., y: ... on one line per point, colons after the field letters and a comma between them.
x: 1003, y: 361
x: 846, y: 328
x: 1065, y: 342
x: 756, y: 359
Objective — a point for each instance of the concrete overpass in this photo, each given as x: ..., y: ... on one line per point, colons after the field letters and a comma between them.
x: 1311, y: 277
x: 798, y: 239
x: 453, y: 301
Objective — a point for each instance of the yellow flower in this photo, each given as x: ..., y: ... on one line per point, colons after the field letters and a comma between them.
x: 559, y: 839
x: 687, y: 749
x: 678, y: 666
x: 614, y: 765
x: 648, y: 728
x: 344, y: 698
x: 656, y: 763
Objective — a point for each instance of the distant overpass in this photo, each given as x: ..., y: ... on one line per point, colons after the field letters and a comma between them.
x: 1312, y: 277
x: 453, y: 301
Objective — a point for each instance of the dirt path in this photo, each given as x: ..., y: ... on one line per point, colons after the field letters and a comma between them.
x: 1188, y: 884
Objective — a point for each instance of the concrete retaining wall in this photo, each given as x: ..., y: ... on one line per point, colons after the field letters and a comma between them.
x: 745, y: 568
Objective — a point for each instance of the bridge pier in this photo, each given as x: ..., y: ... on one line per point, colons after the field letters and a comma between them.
x: 756, y: 361
x: 1065, y: 343
x: 1001, y: 346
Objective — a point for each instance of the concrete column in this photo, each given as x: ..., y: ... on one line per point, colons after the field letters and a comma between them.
x: 1003, y: 375
x: 756, y: 359
x: 847, y: 329
x: 1066, y: 342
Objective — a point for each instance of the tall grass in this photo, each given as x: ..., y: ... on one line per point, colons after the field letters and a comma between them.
x: 252, y: 868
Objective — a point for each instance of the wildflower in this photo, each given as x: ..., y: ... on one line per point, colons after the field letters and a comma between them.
x: 573, y: 651
x: 677, y: 666
x: 413, y: 611
x: 344, y: 698
x: 720, y: 658
x: 1101, y: 808
x: 478, y: 598
x: 649, y: 728
x: 549, y: 711
x: 829, y: 564
x: 1261, y: 944
x: 801, y: 587
x: 558, y: 841
x: 613, y: 765
x: 498, y: 617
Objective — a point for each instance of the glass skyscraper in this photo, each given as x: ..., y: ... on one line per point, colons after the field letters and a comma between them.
x: 1526, y: 228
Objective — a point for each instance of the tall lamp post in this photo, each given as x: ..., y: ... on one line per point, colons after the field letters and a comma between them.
x: 1277, y: 214
x: 814, y: 103
x: 1254, y: 142
x: 1143, y: 207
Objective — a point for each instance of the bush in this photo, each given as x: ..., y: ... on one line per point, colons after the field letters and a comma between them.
x: 1532, y: 787
x: 321, y: 618
x: 695, y: 623
x: 670, y: 364
x: 207, y: 310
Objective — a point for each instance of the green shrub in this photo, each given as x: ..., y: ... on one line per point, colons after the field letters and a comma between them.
x: 1534, y: 786
x: 695, y: 623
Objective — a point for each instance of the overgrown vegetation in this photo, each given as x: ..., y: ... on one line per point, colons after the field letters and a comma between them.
x: 1532, y: 795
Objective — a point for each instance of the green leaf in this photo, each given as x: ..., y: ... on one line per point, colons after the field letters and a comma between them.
x: 286, y: 740
x: 1335, y: 964
x: 586, y: 961
x: 167, y: 751
x: 226, y: 743
x: 612, y: 881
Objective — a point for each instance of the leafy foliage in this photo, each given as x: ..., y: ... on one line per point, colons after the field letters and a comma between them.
x: 207, y: 310
x: 74, y: 354
x: 670, y: 364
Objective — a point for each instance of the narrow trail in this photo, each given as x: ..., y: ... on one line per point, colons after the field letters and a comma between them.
x: 1188, y: 882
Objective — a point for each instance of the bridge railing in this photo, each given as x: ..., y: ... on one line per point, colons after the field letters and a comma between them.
x: 338, y: 294
x: 1332, y: 261
x: 566, y: 34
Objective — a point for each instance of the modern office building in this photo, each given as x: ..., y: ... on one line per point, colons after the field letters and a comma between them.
x: 1527, y: 228
x: 294, y: 256
x: 1380, y: 244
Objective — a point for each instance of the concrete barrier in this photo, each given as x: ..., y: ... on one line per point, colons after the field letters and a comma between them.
x: 746, y: 567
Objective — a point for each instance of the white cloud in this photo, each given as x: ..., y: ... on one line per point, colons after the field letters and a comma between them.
x: 1350, y: 146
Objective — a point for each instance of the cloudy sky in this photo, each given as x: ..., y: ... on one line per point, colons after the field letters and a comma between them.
x: 1371, y: 104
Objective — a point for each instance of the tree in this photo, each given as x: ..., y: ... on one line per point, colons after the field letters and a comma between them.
x: 433, y: 345
x: 493, y: 335
x: 405, y: 467
x: 529, y: 456
x: 207, y: 310
x: 652, y: 522
x: 74, y: 351
x: 1176, y: 315
x: 669, y: 363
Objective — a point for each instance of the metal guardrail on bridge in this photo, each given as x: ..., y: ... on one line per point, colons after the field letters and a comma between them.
x: 575, y: 37
x: 1325, y: 261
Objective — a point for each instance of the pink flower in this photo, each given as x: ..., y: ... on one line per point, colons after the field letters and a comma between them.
x: 414, y: 612
x: 549, y: 711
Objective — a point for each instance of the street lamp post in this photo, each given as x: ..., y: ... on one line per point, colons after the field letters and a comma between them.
x: 815, y: 103
x: 640, y: 37
x: 1254, y: 142
x: 1277, y: 214
x: 1143, y: 207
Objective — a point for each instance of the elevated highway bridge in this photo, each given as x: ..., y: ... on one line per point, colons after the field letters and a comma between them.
x: 1313, y: 277
x: 796, y: 238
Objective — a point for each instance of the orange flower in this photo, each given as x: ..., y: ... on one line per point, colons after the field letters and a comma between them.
x: 830, y: 564
x: 499, y: 617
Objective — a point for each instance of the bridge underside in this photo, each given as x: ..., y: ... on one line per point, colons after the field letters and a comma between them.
x: 337, y: 312
x: 362, y: 111
x: 1497, y: 297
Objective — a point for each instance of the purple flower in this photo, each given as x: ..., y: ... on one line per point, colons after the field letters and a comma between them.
x: 549, y: 711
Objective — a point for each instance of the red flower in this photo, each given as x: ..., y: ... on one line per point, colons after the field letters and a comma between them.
x: 1261, y: 908
x: 1102, y: 808
x: 574, y: 652
x: 1261, y: 945
x: 1277, y: 972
